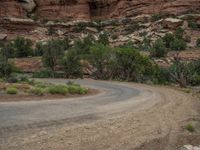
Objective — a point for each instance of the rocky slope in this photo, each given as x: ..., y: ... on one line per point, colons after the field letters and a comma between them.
x: 33, y: 18
x: 89, y: 9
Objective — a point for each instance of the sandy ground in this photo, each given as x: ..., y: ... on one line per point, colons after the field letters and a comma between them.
x: 160, y: 126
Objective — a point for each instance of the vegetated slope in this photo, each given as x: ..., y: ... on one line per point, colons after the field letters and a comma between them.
x: 125, y: 20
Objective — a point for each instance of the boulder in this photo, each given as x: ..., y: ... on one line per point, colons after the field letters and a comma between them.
x: 93, y: 30
x: 172, y: 23
x: 28, y: 5
x: 3, y: 37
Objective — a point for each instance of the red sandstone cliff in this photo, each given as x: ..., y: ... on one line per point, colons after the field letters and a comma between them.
x: 87, y: 9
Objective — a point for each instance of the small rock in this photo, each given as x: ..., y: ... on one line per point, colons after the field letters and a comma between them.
x: 3, y: 37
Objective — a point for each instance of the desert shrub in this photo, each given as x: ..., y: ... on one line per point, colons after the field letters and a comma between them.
x: 181, y: 73
x: 193, y: 24
x: 158, y: 49
x: 58, y: 89
x: 103, y: 38
x: 5, y: 67
x: 99, y: 58
x: 22, y: 47
x: 76, y: 89
x: 160, y: 75
x: 82, y: 47
x: 52, y: 53
x: 168, y: 38
x: 178, y: 44
x: 44, y: 73
x: 198, y: 42
x: 132, y: 28
x: 83, y: 91
x: 51, y: 31
x: 128, y: 64
x: 195, y: 80
x: 8, y: 49
x: 179, y: 33
x: 146, y: 44
x: 156, y: 17
x: 71, y: 65
x: 38, y: 51
x: 11, y: 90
x: 37, y: 91
x: 80, y: 27
x: 16, y: 77
x: 190, y: 128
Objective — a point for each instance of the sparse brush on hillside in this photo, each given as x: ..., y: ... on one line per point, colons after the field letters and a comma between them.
x: 198, y: 42
x: 5, y: 67
x: 22, y: 47
x: 158, y: 49
x: 53, y: 51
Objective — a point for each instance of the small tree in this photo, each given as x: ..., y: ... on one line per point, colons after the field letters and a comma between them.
x: 178, y: 44
x: 23, y: 47
x: 52, y: 53
x: 5, y: 66
x: 180, y: 72
x: 168, y: 38
x: 179, y: 33
x: 71, y: 65
x: 158, y: 49
x: 198, y: 42
x: 104, y: 38
x: 99, y: 58
x: 38, y: 49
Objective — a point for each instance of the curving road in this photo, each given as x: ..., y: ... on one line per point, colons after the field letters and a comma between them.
x: 113, y: 98
x: 121, y: 116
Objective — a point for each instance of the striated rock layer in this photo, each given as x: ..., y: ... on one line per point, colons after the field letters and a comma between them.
x: 93, y: 9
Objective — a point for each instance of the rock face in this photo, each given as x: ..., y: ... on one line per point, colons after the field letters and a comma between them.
x: 93, y: 9
x: 11, y: 8
x: 124, y: 20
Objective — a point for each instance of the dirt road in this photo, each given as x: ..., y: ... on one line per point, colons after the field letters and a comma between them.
x: 122, y: 116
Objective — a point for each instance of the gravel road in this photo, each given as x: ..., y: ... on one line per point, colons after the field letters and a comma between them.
x: 120, y: 116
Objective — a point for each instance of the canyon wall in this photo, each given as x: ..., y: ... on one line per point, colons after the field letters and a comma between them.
x: 94, y: 9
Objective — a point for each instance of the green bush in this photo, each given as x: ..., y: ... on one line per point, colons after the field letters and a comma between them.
x: 195, y: 80
x: 99, y: 58
x: 51, y: 31
x: 16, y: 77
x: 37, y: 91
x: 178, y: 44
x: 179, y: 33
x: 156, y: 17
x: 192, y: 24
x: 198, y: 42
x: 80, y: 27
x: 71, y: 65
x: 44, y: 74
x: 22, y: 47
x: 158, y: 49
x: 104, y: 38
x: 58, y: 89
x: 132, y: 28
x: 74, y: 89
x: 190, y: 128
x: 83, y: 91
x: 52, y: 53
x: 38, y: 51
x: 11, y: 90
x: 168, y: 38
x: 6, y: 68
